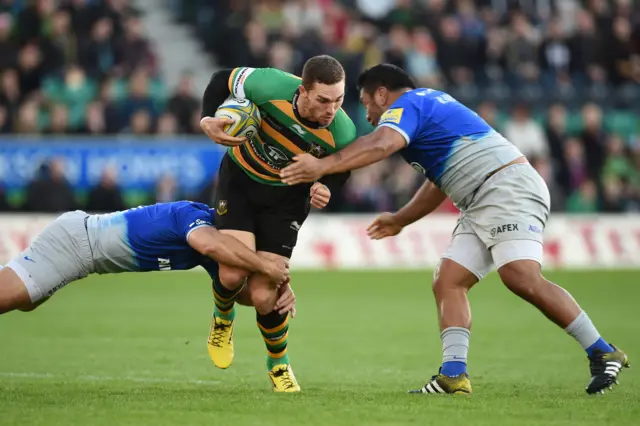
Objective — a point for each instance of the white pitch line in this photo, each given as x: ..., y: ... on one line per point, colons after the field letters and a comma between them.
x: 92, y: 378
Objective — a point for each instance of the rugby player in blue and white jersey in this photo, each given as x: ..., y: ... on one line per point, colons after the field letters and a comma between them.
x: 168, y: 236
x: 504, y: 206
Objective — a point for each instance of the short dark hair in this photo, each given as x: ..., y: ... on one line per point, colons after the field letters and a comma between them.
x: 322, y: 69
x: 384, y: 75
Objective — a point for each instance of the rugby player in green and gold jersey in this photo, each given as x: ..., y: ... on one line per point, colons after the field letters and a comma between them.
x: 299, y: 115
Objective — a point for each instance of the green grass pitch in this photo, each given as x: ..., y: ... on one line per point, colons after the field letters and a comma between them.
x: 130, y: 350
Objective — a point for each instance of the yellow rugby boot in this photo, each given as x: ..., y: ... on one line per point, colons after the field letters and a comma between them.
x: 283, y: 380
x: 220, y: 343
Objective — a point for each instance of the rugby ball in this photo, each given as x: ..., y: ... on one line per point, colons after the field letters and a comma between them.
x: 245, y: 115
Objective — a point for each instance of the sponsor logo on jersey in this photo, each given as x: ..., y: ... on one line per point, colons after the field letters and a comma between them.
x: 392, y: 116
x: 222, y: 207
x: 535, y: 229
x: 275, y: 155
x: 27, y: 258
x: 268, y: 160
x: 299, y: 130
x: 295, y: 225
x: 238, y: 85
x: 510, y: 227
x: 199, y: 222
x: 164, y: 264
x: 56, y: 288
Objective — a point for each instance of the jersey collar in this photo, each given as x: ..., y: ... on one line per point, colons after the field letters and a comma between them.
x: 310, y: 124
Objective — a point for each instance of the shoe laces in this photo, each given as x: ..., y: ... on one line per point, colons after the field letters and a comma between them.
x: 285, y: 378
x: 217, y: 333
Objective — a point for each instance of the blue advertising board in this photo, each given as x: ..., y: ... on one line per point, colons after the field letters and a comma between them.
x: 139, y: 163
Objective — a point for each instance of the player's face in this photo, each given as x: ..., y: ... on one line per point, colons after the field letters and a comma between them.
x: 373, y: 107
x: 323, y: 102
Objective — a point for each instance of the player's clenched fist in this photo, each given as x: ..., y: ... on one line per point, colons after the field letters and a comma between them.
x: 384, y: 226
x: 277, y: 270
x: 213, y: 127
x: 320, y: 195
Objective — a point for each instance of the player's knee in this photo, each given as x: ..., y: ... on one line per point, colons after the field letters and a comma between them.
x: 232, y: 278
x: 523, y: 278
x: 450, y: 276
x: 264, y: 300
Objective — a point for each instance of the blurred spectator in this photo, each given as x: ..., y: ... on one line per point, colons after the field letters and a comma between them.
x: 183, y: 103
x: 458, y: 57
x: 59, y: 119
x: 134, y: 49
x: 555, y: 54
x: 27, y: 121
x: 106, y: 196
x: 33, y: 20
x: 593, y: 137
x: 74, y: 90
x: 94, y: 123
x: 139, y: 96
x: 556, y: 133
x: 526, y: 134
x: 576, y: 172
x: 59, y: 49
x: 421, y: 59
x: 489, y: 113
x: 30, y: 69
x: 617, y: 164
x: 10, y: 96
x: 399, y: 43
x: 282, y: 56
x: 584, y: 199
x: 167, y: 190
x: 522, y: 49
x: 49, y: 191
x: 302, y: 16
x: 98, y: 51
x: 8, y: 47
x: 141, y: 123
x: 587, y: 56
x: 167, y: 125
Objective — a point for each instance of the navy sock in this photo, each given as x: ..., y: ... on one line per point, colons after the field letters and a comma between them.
x: 453, y: 368
x: 601, y: 345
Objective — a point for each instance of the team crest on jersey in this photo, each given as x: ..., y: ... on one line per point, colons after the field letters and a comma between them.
x: 392, y: 116
x: 222, y: 207
x: 317, y: 151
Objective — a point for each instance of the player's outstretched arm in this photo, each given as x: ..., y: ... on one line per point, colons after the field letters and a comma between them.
x: 369, y: 149
x: 229, y: 251
x: 425, y: 200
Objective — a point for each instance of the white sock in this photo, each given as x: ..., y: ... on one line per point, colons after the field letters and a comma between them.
x: 583, y: 330
x: 455, y: 344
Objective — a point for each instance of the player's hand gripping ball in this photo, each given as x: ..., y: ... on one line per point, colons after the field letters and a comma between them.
x: 244, y: 117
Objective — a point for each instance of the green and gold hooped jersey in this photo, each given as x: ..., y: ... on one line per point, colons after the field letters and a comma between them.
x: 283, y: 133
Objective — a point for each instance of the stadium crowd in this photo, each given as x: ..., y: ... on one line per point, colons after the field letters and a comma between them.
x: 559, y: 78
